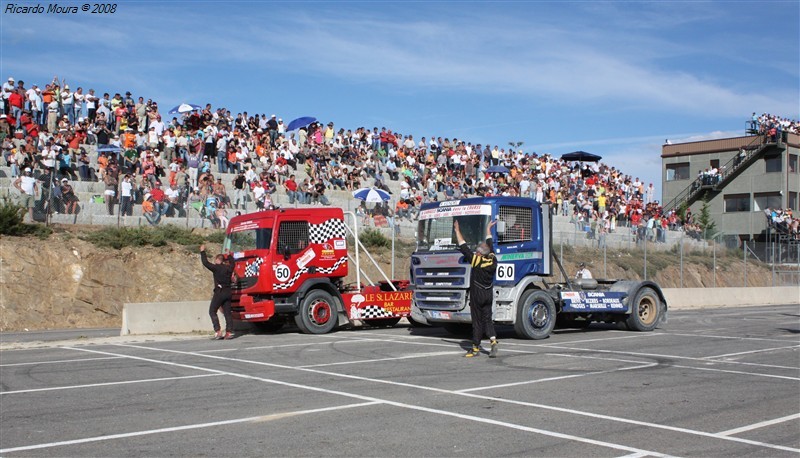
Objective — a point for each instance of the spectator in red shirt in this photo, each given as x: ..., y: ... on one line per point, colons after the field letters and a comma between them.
x: 291, y: 190
x: 16, y: 101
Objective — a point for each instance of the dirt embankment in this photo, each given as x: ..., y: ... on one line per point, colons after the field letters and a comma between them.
x: 65, y: 282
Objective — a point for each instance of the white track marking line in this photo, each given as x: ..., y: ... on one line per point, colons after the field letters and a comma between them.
x: 727, y: 371
x: 550, y: 379
x: 645, y: 355
x: 763, y: 350
x: 362, y: 361
x: 762, y: 424
x: 34, y: 363
x: 477, y: 396
x: 341, y: 393
x: 265, y: 347
x: 657, y: 355
x: 182, y: 428
x: 92, y: 385
x: 640, y: 335
x: 648, y: 355
x: 762, y: 339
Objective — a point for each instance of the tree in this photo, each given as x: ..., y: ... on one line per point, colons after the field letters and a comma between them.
x: 706, y: 223
x: 515, y: 145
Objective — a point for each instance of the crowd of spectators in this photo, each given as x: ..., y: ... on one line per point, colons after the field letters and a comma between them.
x: 773, y: 126
x: 783, y: 221
x: 168, y: 165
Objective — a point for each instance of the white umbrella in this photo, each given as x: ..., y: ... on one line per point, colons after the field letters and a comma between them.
x: 371, y: 195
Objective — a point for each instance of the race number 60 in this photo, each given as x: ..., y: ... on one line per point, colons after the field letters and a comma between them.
x: 505, y: 271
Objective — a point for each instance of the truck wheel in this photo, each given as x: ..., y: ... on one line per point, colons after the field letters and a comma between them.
x: 317, y: 314
x: 536, y: 315
x: 646, y: 311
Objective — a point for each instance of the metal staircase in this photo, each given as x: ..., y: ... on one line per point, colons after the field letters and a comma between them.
x: 747, y: 156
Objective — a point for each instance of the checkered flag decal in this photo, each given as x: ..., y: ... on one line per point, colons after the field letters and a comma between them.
x: 375, y: 311
x: 291, y: 281
x: 252, y: 269
x: 321, y: 233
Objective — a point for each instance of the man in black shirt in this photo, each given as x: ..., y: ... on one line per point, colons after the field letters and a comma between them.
x: 223, y: 275
x: 484, y: 265
x: 240, y: 191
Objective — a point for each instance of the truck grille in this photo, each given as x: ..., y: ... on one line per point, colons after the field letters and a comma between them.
x: 439, y: 299
x: 441, y: 277
x: 244, y: 283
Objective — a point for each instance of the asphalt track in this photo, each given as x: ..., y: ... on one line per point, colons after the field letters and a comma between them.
x: 722, y: 382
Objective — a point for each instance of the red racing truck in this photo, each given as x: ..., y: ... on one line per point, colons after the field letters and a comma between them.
x: 293, y: 263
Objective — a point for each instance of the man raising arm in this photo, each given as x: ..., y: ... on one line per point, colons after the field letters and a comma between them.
x: 483, y: 266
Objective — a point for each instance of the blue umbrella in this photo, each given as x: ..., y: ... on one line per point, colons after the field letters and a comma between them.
x: 185, y: 108
x: 497, y: 169
x: 109, y: 149
x: 371, y: 195
x: 300, y: 122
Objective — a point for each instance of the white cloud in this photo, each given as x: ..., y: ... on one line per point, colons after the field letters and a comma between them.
x: 580, y: 66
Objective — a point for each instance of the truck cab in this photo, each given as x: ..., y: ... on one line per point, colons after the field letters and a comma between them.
x: 280, y: 257
x: 524, y: 293
x: 438, y: 271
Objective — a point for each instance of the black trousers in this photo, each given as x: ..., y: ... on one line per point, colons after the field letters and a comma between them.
x: 480, y: 306
x: 221, y: 298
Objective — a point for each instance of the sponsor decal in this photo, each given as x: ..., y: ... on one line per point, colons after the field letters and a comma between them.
x: 450, y: 203
x: 327, y: 252
x: 519, y: 256
x: 445, y: 212
x: 593, y: 300
x: 305, y: 258
x: 339, y: 244
x: 245, y: 226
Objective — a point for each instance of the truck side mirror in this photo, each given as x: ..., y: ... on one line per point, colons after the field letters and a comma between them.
x: 286, y: 252
x: 501, y: 227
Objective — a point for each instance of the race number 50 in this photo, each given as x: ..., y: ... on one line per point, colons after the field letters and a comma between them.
x: 505, y: 271
x: 282, y: 272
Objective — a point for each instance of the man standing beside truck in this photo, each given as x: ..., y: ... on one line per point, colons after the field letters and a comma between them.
x: 483, y: 266
x: 223, y: 275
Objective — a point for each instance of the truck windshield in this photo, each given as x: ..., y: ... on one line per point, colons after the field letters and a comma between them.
x: 250, y: 239
x: 437, y: 233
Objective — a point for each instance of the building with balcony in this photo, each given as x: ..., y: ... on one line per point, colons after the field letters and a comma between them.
x: 755, y: 172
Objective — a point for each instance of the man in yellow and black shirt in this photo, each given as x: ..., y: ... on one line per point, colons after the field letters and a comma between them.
x: 483, y: 266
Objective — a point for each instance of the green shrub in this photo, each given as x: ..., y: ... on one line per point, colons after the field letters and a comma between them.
x: 12, y: 216
x: 118, y: 238
x: 373, y: 238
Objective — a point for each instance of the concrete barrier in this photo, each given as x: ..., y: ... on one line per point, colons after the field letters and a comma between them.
x: 181, y: 317
x: 162, y: 317
x: 695, y: 298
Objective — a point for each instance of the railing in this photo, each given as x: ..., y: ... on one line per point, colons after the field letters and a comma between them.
x: 700, y: 184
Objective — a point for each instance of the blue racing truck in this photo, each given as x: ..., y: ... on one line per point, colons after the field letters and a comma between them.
x: 526, y: 294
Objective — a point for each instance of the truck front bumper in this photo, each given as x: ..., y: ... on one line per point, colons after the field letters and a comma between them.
x: 246, y: 309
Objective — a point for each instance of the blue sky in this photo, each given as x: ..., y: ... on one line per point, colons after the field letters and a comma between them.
x: 612, y: 78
